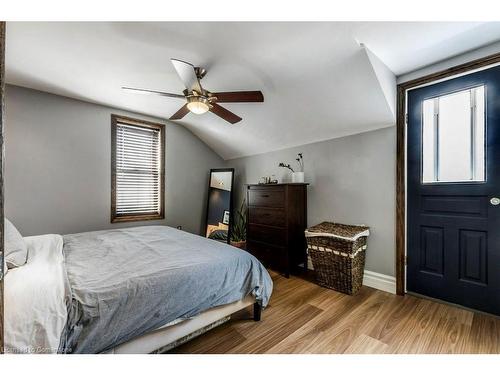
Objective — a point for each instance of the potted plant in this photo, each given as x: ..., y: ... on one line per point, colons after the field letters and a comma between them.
x: 239, y: 230
x: 297, y: 176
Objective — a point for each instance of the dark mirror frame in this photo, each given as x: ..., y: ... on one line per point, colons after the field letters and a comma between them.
x: 230, y: 201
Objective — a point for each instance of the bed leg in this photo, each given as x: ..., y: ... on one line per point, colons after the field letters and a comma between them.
x: 257, y: 310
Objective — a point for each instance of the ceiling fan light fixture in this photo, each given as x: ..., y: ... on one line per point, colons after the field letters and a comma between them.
x: 198, y: 104
x: 199, y: 100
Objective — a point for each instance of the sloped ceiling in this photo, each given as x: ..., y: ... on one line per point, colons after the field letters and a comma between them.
x: 320, y: 80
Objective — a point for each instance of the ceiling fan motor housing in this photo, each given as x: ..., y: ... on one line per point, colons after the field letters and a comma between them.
x: 200, y: 72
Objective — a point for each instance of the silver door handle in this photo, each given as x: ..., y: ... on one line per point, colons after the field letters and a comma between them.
x: 495, y: 201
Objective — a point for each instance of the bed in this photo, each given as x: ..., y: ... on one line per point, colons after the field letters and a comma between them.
x: 135, y: 290
x: 217, y: 232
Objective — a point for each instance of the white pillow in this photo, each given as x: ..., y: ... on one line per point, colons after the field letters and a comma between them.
x: 16, y: 251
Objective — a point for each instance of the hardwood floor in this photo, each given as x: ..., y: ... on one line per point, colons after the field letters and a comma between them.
x: 305, y: 318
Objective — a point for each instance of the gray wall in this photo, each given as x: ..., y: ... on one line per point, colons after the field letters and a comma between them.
x: 58, y: 156
x: 352, y: 181
x: 58, y: 173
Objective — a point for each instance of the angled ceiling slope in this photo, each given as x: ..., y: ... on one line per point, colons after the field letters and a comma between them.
x: 386, y: 80
x: 318, y: 81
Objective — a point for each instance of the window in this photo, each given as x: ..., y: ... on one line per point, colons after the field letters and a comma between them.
x: 137, y: 170
x: 453, y: 138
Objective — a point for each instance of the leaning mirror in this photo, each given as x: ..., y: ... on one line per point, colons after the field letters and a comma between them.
x: 220, y: 204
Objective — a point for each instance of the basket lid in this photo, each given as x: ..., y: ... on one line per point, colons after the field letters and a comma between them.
x: 343, y: 231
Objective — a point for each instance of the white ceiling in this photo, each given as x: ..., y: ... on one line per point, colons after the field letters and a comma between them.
x: 318, y: 82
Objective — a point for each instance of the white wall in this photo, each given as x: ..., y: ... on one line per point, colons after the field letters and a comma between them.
x: 352, y: 180
x: 453, y: 61
x: 58, y: 173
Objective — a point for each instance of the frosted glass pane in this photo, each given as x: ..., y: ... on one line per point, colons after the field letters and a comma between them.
x: 453, y: 137
x: 428, y: 136
x: 454, y: 152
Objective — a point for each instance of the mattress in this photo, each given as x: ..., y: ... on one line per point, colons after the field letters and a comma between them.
x: 126, y: 282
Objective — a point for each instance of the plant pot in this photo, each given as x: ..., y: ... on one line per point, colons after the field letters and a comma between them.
x: 298, y: 177
x: 239, y: 244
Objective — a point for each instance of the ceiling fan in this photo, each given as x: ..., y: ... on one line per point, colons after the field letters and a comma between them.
x: 198, y: 99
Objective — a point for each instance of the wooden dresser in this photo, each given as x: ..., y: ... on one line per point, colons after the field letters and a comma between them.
x: 277, y: 218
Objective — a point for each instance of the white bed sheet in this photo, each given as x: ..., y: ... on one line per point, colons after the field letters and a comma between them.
x: 35, y: 298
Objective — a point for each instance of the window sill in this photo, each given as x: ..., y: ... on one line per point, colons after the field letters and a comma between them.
x: 129, y: 218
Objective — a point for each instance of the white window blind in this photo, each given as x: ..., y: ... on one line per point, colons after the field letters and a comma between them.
x: 137, y: 170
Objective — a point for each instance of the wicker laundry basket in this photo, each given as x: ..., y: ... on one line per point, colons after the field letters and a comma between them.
x: 337, y: 253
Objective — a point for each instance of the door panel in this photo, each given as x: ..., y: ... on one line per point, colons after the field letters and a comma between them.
x: 473, y: 256
x: 432, y: 250
x: 453, y: 230
x: 475, y: 206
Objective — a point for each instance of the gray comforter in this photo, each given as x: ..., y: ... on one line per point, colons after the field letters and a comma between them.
x: 126, y: 282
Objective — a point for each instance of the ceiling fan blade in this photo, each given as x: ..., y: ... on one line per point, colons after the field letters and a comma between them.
x: 225, y: 114
x: 180, y: 113
x: 152, y: 92
x: 239, y: 96
x: 187, y: 75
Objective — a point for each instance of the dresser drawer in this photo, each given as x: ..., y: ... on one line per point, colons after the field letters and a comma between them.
x: 266, y: 197
x: 262, y: 233
x: 267, y: 216
x: 270, y: 256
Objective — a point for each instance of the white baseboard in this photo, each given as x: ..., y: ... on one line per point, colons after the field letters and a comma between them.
x: 373, y: 280
x: 380, y: 281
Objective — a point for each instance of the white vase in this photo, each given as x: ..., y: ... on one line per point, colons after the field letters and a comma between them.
x: 298, y: 177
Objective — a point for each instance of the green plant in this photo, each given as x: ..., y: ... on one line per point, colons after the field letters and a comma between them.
x: 239, y: 230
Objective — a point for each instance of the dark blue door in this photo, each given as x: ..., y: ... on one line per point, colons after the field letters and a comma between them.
x: 453, y: 190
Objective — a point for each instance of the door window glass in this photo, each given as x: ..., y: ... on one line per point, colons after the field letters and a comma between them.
x: 453, y: 136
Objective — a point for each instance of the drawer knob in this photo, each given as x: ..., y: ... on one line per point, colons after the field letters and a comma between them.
x: 265, y: 196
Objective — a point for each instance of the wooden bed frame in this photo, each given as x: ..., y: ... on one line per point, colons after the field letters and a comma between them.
x: 170, y: 336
